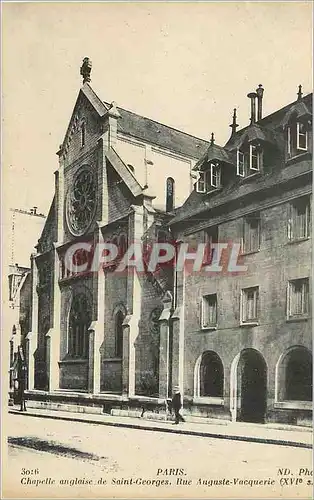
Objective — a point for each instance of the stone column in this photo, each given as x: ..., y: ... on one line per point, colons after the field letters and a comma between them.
x: 96, y: 330
x: 32, y: 336
x: 53, y: 335
x: 178, y: 333
x: 134, y: 301
x: 164, y: 348
x: 59, y: 198
x: 110, y: 126
x: 102, y: 180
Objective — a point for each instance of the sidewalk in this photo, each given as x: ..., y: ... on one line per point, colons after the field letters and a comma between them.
x: 240, y: 431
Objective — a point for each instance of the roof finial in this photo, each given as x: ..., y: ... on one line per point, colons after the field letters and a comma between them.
x: 212, y: 139
x: 300, y: 93
x: 86, y: 70
x: 234, y: 124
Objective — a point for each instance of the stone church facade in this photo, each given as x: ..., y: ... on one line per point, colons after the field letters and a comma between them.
x: 120, y: 178
x: 238, y: 344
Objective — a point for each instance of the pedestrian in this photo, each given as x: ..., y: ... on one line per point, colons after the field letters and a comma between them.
x: 177, y: 405
x: 22, y: 378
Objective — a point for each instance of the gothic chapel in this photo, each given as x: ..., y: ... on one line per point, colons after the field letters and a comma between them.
x: 105, y: 336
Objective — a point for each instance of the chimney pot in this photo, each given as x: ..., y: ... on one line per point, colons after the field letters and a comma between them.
x: 259, y: 93
x: 252, y: 96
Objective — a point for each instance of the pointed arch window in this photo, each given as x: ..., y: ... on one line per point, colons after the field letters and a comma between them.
x: 83, y: 134
x: 79, y: 322
x: 119, y: 318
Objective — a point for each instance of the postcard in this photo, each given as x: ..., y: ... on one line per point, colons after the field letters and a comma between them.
x: 156, y: 228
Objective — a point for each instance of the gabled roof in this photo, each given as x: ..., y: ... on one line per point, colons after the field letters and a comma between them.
x: 253, y: 132
x: 297, y: 111
x: 143, y: 128
x: 213, y: 153
x: 153, y: 132
x: 270, y: 122
x: 270, y: 129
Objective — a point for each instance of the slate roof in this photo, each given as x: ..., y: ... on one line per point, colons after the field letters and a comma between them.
x: 299, y: 110
x: 271, y: 127
x: 253, y: 132
x: 214, y: 152
x: 161, y: 135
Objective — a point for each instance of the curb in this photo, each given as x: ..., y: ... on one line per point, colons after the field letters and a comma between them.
x: 251, y: 439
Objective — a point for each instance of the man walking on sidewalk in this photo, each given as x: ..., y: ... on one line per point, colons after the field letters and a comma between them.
x: 177, y: 405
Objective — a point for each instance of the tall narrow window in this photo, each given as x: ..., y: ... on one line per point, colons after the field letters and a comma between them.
x: 119, y: 318
x: 249, y: 306
x: 215, y: 175
x: 211, y: 237
x: 240, y: 163
x: 251, y: 234
x: 209, y: 311
x: 301, y: 136
x: 169, y: 194
x: 201, y: 183
x: 79, y: 322
x: 289, y: 142
x: 299, y: 219
x: 298, y: 298
x: 83, y: 134
x: 297, y: 139
x: 255, y: 158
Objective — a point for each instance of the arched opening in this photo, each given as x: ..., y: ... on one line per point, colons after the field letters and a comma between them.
x: 248, y: 387
x: 79, y: 322
x: 294, y: 375
x: 169, y: 194
x: 211, y: 376
x: 119, y: 318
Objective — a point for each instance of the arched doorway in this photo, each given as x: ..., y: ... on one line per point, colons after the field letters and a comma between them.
x: 249, y: 387
x: 294, y: 376
x: 210, y: 376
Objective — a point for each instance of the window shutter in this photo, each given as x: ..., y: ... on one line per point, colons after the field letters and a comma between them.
x: 289, y: 225
x: 289, y: 141
x: 240, y: 163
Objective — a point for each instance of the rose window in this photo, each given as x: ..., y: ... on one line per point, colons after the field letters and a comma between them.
x: 81, y: 202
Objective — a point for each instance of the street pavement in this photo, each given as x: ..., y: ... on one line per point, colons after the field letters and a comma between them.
x: 60, y: 458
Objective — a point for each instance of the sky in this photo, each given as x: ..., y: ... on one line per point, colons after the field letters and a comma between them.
x: 184, y: 64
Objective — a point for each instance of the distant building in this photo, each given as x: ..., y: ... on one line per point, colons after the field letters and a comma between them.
x: 25, y: 228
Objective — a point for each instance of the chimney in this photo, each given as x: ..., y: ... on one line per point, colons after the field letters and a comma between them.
x: 300, y: 93
x: 252, y: 96
x: 259, y: 93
